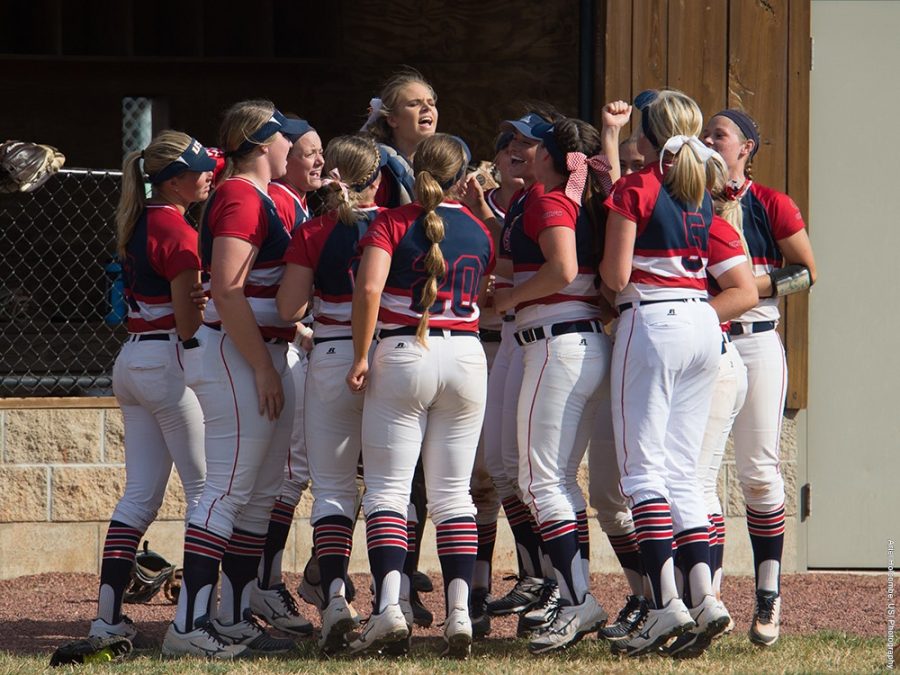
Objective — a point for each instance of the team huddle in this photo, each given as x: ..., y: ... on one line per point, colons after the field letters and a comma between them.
x: 380, y: 309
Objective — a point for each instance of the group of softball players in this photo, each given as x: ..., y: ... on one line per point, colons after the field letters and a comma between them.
x: 626, y: 298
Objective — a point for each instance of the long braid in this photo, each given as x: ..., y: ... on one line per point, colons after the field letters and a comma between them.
x: 429, y: 194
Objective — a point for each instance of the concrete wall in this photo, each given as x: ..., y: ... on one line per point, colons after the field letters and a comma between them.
x: 62, y: 471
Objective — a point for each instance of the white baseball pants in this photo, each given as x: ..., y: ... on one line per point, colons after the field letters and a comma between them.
x: 664, y: 366
x: 429, y: 400
x: 296, y: 469
x: 557, y: 404
x: 501, y: 447
x: 245, y: 451
x: 163, y: 424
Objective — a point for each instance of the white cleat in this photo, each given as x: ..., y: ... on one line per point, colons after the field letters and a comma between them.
x: 572, y: 622
x: 276, y: 606
x: 660, y: 626
x: 203, y: 641
x: 337, y: 621
x: 458, y: 634
x: 766, y: 624
x: 380, y: 631
x: 712, y: 620
x: 126, y: 629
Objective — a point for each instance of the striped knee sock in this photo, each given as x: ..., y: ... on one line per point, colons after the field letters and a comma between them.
x: 487, y: 537
x: 203, y: 551
x: 119, y: 551
x: 528, y: 551
x: 653, y: 529
x: 561, y: 543
x: 625, y: 546
x: 386, y: 541
x: 276, y: 538
x: 693, y: 560
x: 767, y: 538
x: 717, y: 550
x: 584, y: 542
x: 239, y: 566
x: 457, y: 547
x: 333, y: 541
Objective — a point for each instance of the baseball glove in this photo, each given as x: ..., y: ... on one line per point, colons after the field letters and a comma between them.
x: 150, y: 573
x: 26, y: 166
x: 91, y: 650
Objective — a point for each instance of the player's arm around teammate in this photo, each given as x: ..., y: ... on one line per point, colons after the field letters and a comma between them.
x: 419, y: 277
x: 163, y: 420
x: 565, y: 354
x: 237, y: 366
x: 783, y: 263
x: 323, y: 255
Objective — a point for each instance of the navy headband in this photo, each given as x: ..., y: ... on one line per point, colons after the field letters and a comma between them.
x: 642, y: 101
x: 745, y: 123
x: 546, y: 132
x: 292, y: 128
x: 447, y: 184
x: 194, y: 158
x: 382, y: 162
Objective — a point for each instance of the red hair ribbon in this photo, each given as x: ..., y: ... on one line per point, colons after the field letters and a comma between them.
x: 578, y: 163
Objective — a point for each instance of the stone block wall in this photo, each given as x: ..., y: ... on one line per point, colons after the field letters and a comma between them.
x: 62, y: 472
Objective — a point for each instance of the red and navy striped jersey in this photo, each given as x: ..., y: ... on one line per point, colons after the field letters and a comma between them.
x: 468, y: 256
x: 671, y: 248
x: 290, y: 204
x: 578, y: 300
x: 725, y: 251
x: 330, y: 248
x: 239, y: 209
x: 513, y: 217
x: 769, y: 217
x: 162, y: 246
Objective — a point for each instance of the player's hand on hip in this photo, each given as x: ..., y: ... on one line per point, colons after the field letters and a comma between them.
x: 358, y: 376
x: 503, y: 300
x: 269, y: 391
x: 616, y: 114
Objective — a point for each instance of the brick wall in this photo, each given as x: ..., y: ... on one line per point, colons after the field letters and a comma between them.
x: 62, y: 472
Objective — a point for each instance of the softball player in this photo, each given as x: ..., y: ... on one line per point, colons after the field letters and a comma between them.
x: 783, y: 263
x: 163, y: 420
x: 661, y: 237
x: 270, y: 598
x: 505, y: 380
x: 237, y: 366
x: 419, y: 277
x: 565, y: 356
x: 402, y: 116
x: 321, y: 255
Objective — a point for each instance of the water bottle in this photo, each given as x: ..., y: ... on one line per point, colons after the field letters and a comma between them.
x: 118, y: 308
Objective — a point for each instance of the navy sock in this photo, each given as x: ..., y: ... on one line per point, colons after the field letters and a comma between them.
x: 119, y: 551
x: 457, y: 547
x: 276, y: 538
x: 693, y: 549
x: 386, y: 543
x: 653, y: 528
x: 767, y: 539
x: 239, y: 568
x: 561, y: 543
x: 528, y: 544
x: 203, y: 551
x: 584, y: 535
x: 333, y: 541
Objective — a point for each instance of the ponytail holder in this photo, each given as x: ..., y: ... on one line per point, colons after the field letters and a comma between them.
x: 578, y: 164
x: 336, y: 180
x: 375, y: 106
x: 674, y: 144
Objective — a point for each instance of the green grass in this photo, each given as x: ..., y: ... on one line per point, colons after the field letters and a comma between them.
x: 825, y: 652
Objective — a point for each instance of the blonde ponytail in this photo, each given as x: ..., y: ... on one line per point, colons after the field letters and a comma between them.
x: 165, y: 148
x: 131, y: 200
x: 357, y: 160
x: 429, y: 194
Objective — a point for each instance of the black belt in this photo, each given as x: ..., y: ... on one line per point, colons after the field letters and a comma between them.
x: 755, y: 327
x: 267, y: 340
x: 143, y: 337
x: 433, y: 332
x: 726, y: 338
x: 641, y: 303
x: 509, y: 317
x: 488, y: 335
x: 529, y: 335
x: 191, y: 343
x: 317, y: 341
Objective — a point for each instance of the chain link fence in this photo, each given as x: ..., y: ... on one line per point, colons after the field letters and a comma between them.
x: 61, y: 314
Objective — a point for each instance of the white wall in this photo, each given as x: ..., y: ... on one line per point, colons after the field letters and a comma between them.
x: 853, y: 460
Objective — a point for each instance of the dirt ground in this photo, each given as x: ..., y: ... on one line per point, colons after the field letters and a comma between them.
x: 39, y: 612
